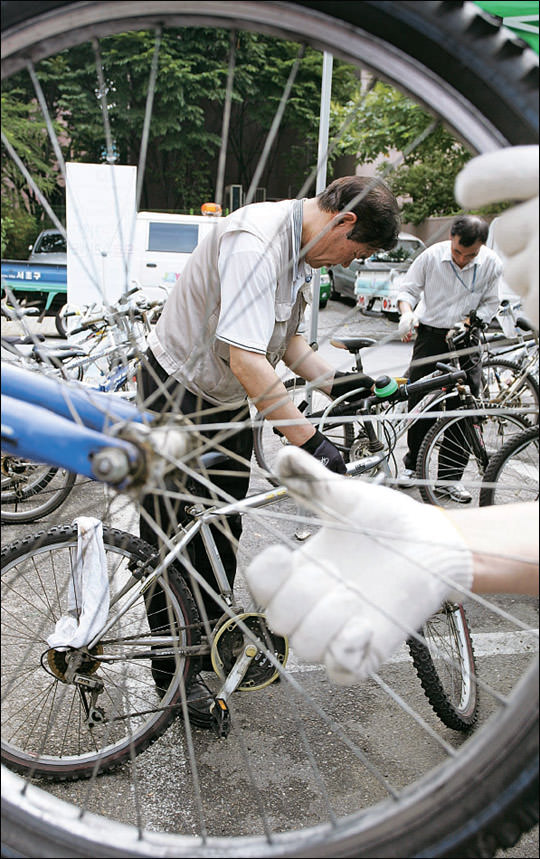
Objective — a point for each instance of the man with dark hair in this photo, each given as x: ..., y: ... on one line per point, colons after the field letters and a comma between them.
x: 233, y: 314
x: 443, y: 285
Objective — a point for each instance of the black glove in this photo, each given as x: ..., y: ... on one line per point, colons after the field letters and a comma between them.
x: 323, y: 450
x: 344, y: 382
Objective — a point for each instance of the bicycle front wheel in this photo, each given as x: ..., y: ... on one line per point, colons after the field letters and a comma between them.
x: 512, y: 474
x: 47, y: 727
x: 454, y: 455
x: 444, y: 662
x: 334, y: 764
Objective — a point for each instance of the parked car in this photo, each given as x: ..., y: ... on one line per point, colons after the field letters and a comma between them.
x: 376, y: 281
x: 324, y: 289
x: 50, y: 246
x: 342, y: 279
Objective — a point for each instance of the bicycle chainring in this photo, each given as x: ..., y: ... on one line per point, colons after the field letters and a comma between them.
x: 230, y: 641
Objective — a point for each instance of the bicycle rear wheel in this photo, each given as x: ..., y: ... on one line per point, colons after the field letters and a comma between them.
x: 30, y: 491
x: 512, y: 474
x: 129, y: 713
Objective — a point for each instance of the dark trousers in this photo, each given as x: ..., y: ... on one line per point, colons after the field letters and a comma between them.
x: 432, y: 342
x: 170, y: 516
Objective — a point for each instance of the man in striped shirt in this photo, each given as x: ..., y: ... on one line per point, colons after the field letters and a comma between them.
x: 444, y: 284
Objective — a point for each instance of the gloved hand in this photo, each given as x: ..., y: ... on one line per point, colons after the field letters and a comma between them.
x: 509, y: 174
x: 325, y: 452
x: 407, y: 324
x: 348, y: 382
x: 380, y: 557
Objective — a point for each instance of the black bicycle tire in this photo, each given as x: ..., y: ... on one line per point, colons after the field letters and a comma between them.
x: 518, y: 76
x: 426, y: 448
x: 528, y: 379
x: 258, y: 433
x: 59, y: 323
x: 497, y: 463
x: 56, y: 499
x: 488, y: 62
x: 142, y: 553
x: 448, y: 713
x: 41, y: 483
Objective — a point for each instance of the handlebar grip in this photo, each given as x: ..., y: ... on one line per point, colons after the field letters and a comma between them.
x: 425, y: 385
x: 524, y: 324
x: 123, y: 298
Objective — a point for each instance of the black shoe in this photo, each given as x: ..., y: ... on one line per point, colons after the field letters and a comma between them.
x: 199, y: 702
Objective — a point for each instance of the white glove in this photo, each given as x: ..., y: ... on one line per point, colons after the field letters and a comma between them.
x: 380, y: 557
x: 407, y: 324
x: 509, y: 174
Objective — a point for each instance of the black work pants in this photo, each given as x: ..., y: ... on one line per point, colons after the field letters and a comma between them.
x: 431, y: 342
x: 234, y: 484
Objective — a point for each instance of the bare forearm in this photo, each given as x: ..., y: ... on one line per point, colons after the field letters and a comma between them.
x: 268, y: 393
x: 304, y: 362
x: 504, y: 542
x: 404, y: 307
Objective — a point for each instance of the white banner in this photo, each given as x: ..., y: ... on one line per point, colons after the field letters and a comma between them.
x: 100, y: 224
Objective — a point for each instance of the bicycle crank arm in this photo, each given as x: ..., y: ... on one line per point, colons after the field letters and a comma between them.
x: 237, y: 672
x: 364, y: 464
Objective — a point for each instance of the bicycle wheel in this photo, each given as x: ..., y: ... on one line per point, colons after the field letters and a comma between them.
x: 445, y: 664
x: 267, y: 442
x: 127, y: 718
x: 30, y: 490
x: 454, y: 455
x: 491, y: 102
x: 512, y: 474
x: 501, y: 386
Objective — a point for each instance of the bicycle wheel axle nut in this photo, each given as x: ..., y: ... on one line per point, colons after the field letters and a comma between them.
x: 111, y: 465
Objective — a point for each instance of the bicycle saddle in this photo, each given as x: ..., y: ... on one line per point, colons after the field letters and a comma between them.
x: 353, y: 344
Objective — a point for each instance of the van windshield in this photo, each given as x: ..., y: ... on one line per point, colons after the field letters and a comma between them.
x: 175, y: 238
x: 404, y: 250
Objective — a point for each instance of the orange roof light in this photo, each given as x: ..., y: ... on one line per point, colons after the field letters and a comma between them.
x: 211, y: 209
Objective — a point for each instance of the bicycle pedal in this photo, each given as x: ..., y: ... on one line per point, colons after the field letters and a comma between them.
x: 221, y: 718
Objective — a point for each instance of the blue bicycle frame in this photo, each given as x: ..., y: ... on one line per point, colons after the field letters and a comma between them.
x: 65, y: 425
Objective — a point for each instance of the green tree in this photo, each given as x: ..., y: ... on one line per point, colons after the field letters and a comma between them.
x: 185, y: 132
x: 386, y: 122
x: 25, y: 130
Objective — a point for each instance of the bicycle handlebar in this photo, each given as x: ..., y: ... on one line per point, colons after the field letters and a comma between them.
x: 448, y: 377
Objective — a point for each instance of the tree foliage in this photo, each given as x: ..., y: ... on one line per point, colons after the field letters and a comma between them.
x: 420, y: 168
x: 185, y: 131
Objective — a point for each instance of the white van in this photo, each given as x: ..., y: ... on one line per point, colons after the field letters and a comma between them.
x: 162, y: 246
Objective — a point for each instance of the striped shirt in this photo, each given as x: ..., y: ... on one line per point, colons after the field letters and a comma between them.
x: 443, y: 294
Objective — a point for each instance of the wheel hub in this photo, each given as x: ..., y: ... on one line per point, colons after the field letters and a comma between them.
x: 58, y: 662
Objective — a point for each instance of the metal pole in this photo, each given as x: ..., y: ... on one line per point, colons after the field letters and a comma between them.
x: 302, y: 531
x: 320, y: 185
x: 226, y: 120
